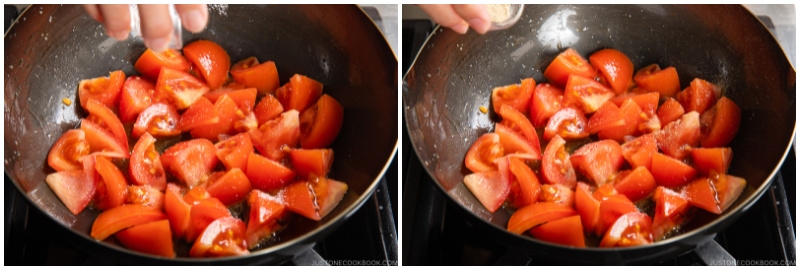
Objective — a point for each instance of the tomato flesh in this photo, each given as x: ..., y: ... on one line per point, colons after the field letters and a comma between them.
x: 250, y: 73
x: 145, y: 165
x: 536, y: 214
x: 190, y: 161
x: 222, y: 237
x: 490, y: 189
x: 556, y: 165
x: 598, y: 160
x: 567, y: 63
x: 567, y: 231
x: 266, y: 211
x: 321, y: 123
x: 615, y: 67
x: 67, y: 151
x: 212, y: 61
x: 153, y: 238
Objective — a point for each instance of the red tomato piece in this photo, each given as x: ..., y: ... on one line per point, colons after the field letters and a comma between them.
x: 566, y: 231
x: 678, y: 137
x: 537, y: 214
x: 267, y: 108
x: 714, y: 193
x: 101, y: 141
x: 145, y: 165
x: 266, y: 213
x: 321, y: 123
x: 146, y: 196
x: 73, y: 188
x: 222, y: 237
x: 105, y: 118
x: 515, y: 143
x: 152, y: 238
x: 519, y: 123
x: 611, y: 209
x: 631, y: 229
x: 250, y: 73
x: 226, y: 108
x: 103, y: 89
x: 671, y: 172
x: 586, y: 93
x: 699, y: 96
x: 720, y: 124
x: 245, y: 98
x: 556, y: 166
x: 670, y: 213
x: 489, y: 188
x: 234, y: 151
x: 647, y: 102
x: 158, y: 119
x: 557, y: 194
x: 639, y: 152
x: 587, y: 206
x: 315, y: 198
x: 203, y: 213
x: 567, y: 63
x: 190, y: 161
x: 636, y: 184
x: 670, y: 111
x: 633, y: 116
x: 137, y: 94
x: 708, y: 161
x: 150, y: 63
x: 121, y: 217
x: 274, y: 138
x: 266, y: 174
x: 231, y: 187
x: 598, y: 160
x: 568, y: 123
x: 654, y: 79
x: 311, y: 162
x: 527, y: 182
x: 67, y: 151
x: 200, y: 113
x: 615, y: 67
x: 212, y: 61
x: 607, y: 116
x: 545, y: 102
x: 178, y: 88
x: 112, y: 188
x: 516, y: 96
x: 177, y: 210
x: 300, y: 93
x: 483, y: 152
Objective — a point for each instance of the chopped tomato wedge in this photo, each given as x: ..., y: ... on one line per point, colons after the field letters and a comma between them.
x: 519, y: 123
x: 200, y: 113
x: 587, y: 206
x: 203, y: 213
x: 321, y: 123
x: 137, y: 94
x: 74, y: 188
x: 150, y: 63
x: 699, y: 96
x: 226, y: 108
x: 516, y: 96
x: 190, y: 161
x: 708, y: 161
x: 654, y: 79
x: 636, y: 184
x: 300, y: 93
x: 607, y: 116
x: 567, y: 63
x: 234, y: 151
x: 545, y: 102
x: 267, y: 108
x: 250, y: 73
x: 527, y: 183
x: 557, y: 194
x: 598, y: 161
x: 615, y: 67
x: 515, y: 143
x: 244, y: 98
x: 720, y: 124
x: 537, y: 214
x: 177, y: 210
x: 648, y: 102
x: 153, y: 237
x: 146, y: 196
x: 103, y: 89
x: 112, y: 187
x: 265, y: 215
x: 489, y: 188
x: 670, y: 213
x: 232, y: 187
x: 222, y: 237
x: 67, y: 151
x: 266, y: 174
x: 633, y: 116
x: 670, y: 111
x: 212, y: 61
x: 145, y: 165
x: 566, y: 231
x: 611, y: 209
x: 714, y: 193
x: 556, y: 166
x: 483, y: 152
x: 158, y: 119
x: 586, y: 93
x: 315, y: 198
x: 105, y: 118
x: 630, y: 229
x: 568, y: 123
x: 639, y: 152
x: 678, y: 137
x: 178, y: 88
x: 311, y: 162
x: 671, y: 172
x: 121, y: 217
x: 103, y: 142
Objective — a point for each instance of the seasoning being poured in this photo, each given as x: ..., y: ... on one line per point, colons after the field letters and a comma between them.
x: 499, y: 12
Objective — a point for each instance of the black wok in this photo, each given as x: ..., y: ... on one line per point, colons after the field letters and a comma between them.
x: 453, y: 75
x: 51, y: 48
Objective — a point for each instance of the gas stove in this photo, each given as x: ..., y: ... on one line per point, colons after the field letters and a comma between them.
x: 437, y: 231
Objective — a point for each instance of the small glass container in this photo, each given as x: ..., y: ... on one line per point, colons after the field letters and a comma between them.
x: 175, y: 42
x: 503, y: 16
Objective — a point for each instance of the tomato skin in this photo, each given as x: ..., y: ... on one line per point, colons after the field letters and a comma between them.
x: 73, y: 187
x: 153, y: 238
x: 103, y: 89
x: 671, y: 210
x: 714, y: 193
x: 567, y: 63
x: 557, y: 194
x: 587, y: 206
x: 177, y: 210
x: 267, y: 108
x: 190, y: 161
x: 636, y: 185
x: 556, y: 165
x: 671, y: 172
x: 632, y: 114
x: 275, y: 137
x: 311, y: 162
x: 101, y: 141
x: 517, y: 121
x: 112, y: 187
x: 250, y: 73
x: 598, y: 160
x: 137, y: 94
x: 231, y: 187
x: 222, y: 237
x: 266, y: 174
x: 546, y: 101
x: 726, y: 120
x: 528, y: 183
x: 265, y: 214
x: 515, y: 143
x: 567, y: 231
x: 516, y: 96
x: 200, y: 113
x: 631, y: 229
x: 489, y: 188
x: 670, y: 111
x: 321, y: 123
x: 105, y: 117
x: 678, y: 137
x: 699, y: 96
x: 536, y: 214
x: 145, y: 167
x: 300, y: 93
x: 234, y: 151
x: 124, y: 216
x: 586, y: 93
x: 67, y: 151
x: 244, y: 98
x: 146, y: 196
x: 615, y: 67
x: 212, y: 61
x: 149, y: 64
x: 226, y: 108
x: 203, y: 213
x: 178, y: 88
x: 315, y: 198
x: 654, y: 79
x: 607, y: 116
x: 708, y: 161
x: 158, y: 119
x: 611, y: 209
x: 481, y: 155
x: 639, y: 152
x: 568, y: 123
x: 647, y: 102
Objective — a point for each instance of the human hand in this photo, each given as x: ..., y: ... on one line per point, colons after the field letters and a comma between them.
x: 156, y: 23
x: 460, y: 17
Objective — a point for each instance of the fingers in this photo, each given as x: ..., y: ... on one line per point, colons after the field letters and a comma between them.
x: 459, y: 17
x: 193, y: 17
x: 116, y: 19
x: 93, y: 11
x: 156, y: 25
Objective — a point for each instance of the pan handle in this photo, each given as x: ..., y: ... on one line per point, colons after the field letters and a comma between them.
x: 713, y: 254
x: 309, y: 257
